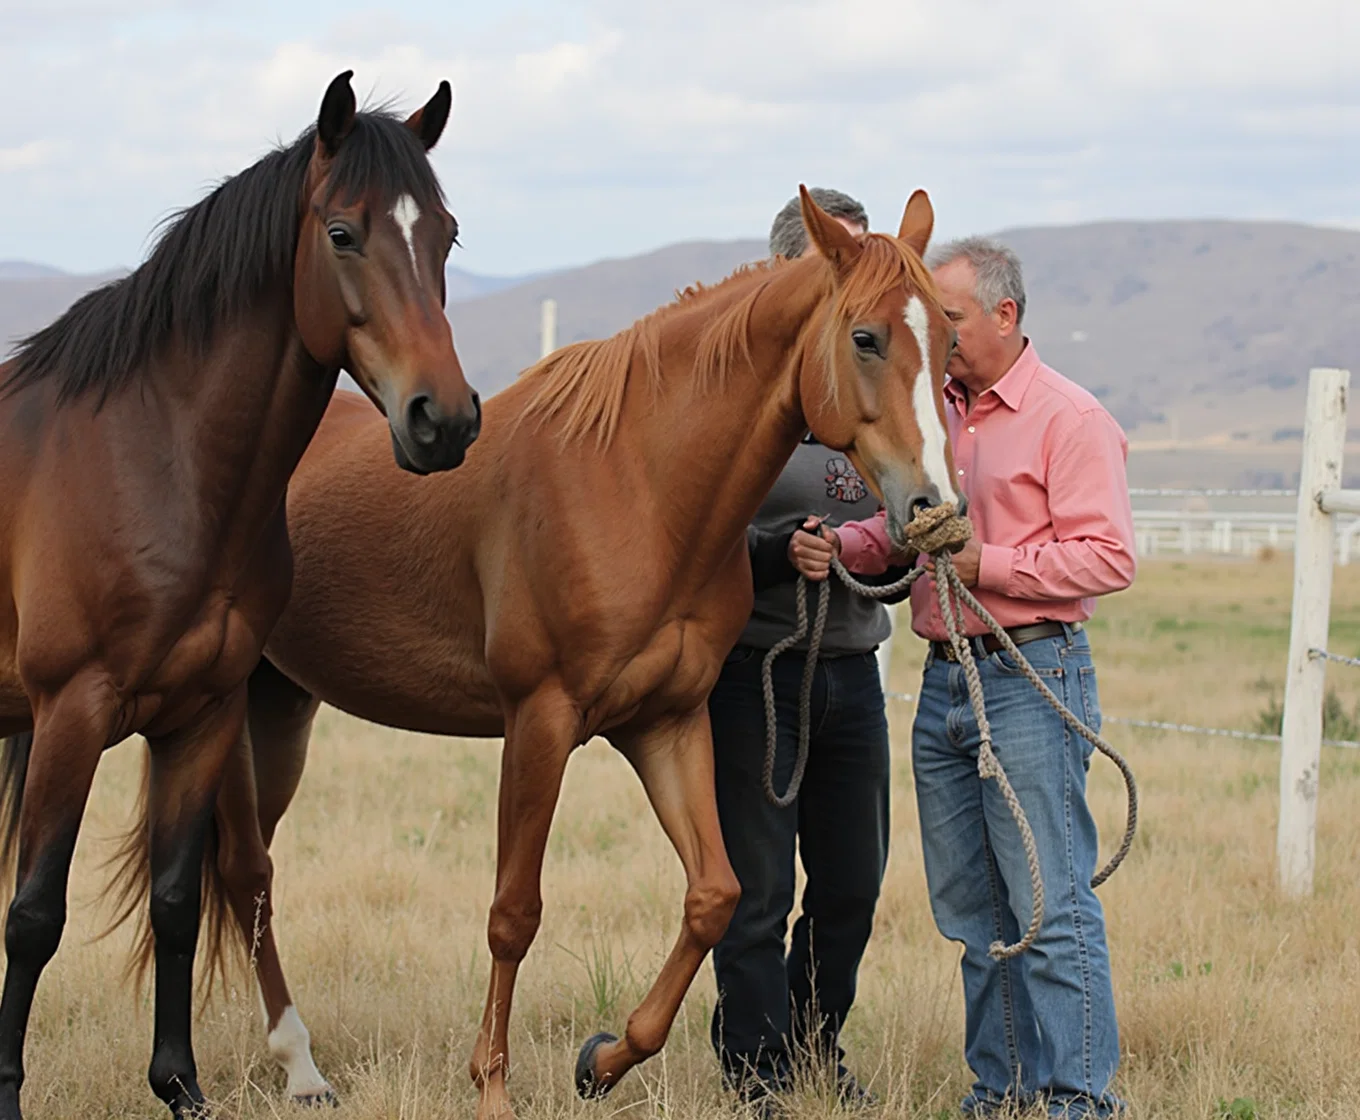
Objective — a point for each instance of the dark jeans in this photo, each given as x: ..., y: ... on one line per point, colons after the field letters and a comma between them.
x: 773, y: 1007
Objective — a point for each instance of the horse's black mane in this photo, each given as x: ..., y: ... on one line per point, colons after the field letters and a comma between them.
x: 214, y: 259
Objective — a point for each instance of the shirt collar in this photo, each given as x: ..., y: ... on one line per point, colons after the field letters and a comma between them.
x: 1014, y: 383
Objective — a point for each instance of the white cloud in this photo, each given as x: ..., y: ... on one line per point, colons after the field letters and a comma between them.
x: 35, y: 153
x: 603, y: 128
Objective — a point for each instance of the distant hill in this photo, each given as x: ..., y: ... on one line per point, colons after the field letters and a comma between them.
x: 26, y: 270
x: 1198, y: 335
x: 31, y: 296
x: 1207, y: 327
x: 460, y: 285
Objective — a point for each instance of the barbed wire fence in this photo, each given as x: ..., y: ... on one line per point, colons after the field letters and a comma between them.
x: 1182, y: 728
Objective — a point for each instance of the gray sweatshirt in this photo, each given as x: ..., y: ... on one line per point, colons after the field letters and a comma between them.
x: 816, y: 481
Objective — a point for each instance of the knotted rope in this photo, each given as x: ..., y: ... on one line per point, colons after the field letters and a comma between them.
x: 938, y: 532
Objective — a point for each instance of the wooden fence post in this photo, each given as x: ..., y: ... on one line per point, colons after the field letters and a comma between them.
x: 1324, y: 441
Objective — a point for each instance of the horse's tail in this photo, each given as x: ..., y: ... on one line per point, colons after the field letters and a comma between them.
x: 129, y: 889
x: 14, y: 753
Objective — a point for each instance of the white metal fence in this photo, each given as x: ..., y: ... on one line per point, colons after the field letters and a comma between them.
x: 1169, y: 532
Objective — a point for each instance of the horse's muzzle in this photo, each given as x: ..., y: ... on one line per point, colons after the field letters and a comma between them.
x: 426, y: 441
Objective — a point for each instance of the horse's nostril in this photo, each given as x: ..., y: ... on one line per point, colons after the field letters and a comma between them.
x: 928, y: 497
x: 422, y: 419
x: 473, y: 426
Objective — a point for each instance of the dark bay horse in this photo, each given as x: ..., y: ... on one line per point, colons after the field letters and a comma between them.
x: 146, y: 442
x: 586, y: 573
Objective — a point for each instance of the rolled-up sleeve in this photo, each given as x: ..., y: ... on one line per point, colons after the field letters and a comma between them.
x: 1088, y: 497
x: 865, y: 547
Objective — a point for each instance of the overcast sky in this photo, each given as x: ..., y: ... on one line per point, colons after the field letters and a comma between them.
x: 601, y: 129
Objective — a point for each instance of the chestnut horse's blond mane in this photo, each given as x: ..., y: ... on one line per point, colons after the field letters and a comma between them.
x: 583, y: 384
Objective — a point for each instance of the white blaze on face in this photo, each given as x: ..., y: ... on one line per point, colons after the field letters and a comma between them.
x: 933, y: 438
x: 406, y: 213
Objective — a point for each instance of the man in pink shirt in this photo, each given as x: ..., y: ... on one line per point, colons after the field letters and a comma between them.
x: 1042, y: 464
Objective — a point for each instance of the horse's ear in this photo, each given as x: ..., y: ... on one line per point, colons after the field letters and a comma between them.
x: 836, y: 243
x: 336, y: 118
x: 429, y: 120
x: 918, y: 220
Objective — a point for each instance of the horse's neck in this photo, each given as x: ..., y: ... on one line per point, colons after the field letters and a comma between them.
x: 715, y: 455
x: 241, y: 415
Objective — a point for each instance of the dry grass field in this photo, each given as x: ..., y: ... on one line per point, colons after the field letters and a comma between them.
x: 1233, y: 1002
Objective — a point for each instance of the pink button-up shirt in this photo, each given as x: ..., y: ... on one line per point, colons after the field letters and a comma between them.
x: 1043, y: 466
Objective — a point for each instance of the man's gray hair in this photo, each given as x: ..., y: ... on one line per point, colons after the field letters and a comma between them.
x: 996, y: 267
x: 788, y: 235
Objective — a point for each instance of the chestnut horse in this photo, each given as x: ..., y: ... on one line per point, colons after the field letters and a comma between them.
x: 585, y: 573
x: 146, y: 442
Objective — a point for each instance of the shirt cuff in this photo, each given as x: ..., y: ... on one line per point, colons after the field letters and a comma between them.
x: 852, y: 547
x: 994, y: 567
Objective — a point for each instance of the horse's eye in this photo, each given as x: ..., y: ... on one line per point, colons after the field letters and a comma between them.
x: 341, y: 238
x: 864, y: 342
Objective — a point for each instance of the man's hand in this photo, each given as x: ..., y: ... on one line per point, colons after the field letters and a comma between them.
x: 967, y: 561
x: 811, y: 549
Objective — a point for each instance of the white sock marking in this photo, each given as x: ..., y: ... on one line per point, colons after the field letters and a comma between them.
x: 933, y: 437
x: 291, y: 1046
x: 406, y: 213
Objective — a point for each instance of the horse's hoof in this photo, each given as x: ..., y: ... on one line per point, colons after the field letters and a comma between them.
x: 586, y: 1085
x: 318, y: 1098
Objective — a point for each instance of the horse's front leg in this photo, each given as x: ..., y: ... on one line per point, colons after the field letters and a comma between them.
x: 186, y: 770
x: 539, y: 736
x: 675, y: 763
x: 70, y: 731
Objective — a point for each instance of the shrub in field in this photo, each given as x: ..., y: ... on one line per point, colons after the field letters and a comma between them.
x: 1337, y: 722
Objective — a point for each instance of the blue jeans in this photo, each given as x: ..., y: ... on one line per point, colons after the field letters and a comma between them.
x: 773, y: 1006
x: 1040, y: 1028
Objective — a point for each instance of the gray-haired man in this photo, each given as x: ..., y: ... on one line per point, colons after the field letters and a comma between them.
x: 788, y: 235
x: 1042, y: 464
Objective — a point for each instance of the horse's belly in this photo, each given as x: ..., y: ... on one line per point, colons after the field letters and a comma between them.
x: 413, y: 679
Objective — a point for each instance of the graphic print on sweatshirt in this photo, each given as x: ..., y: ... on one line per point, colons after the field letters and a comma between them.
x: 843, y: 482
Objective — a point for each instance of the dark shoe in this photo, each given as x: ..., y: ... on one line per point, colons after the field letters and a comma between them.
x: 760, y: 1101
x: 851, y: 1093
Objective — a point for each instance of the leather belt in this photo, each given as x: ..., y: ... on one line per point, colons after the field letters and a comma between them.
x: 1018, y: 634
